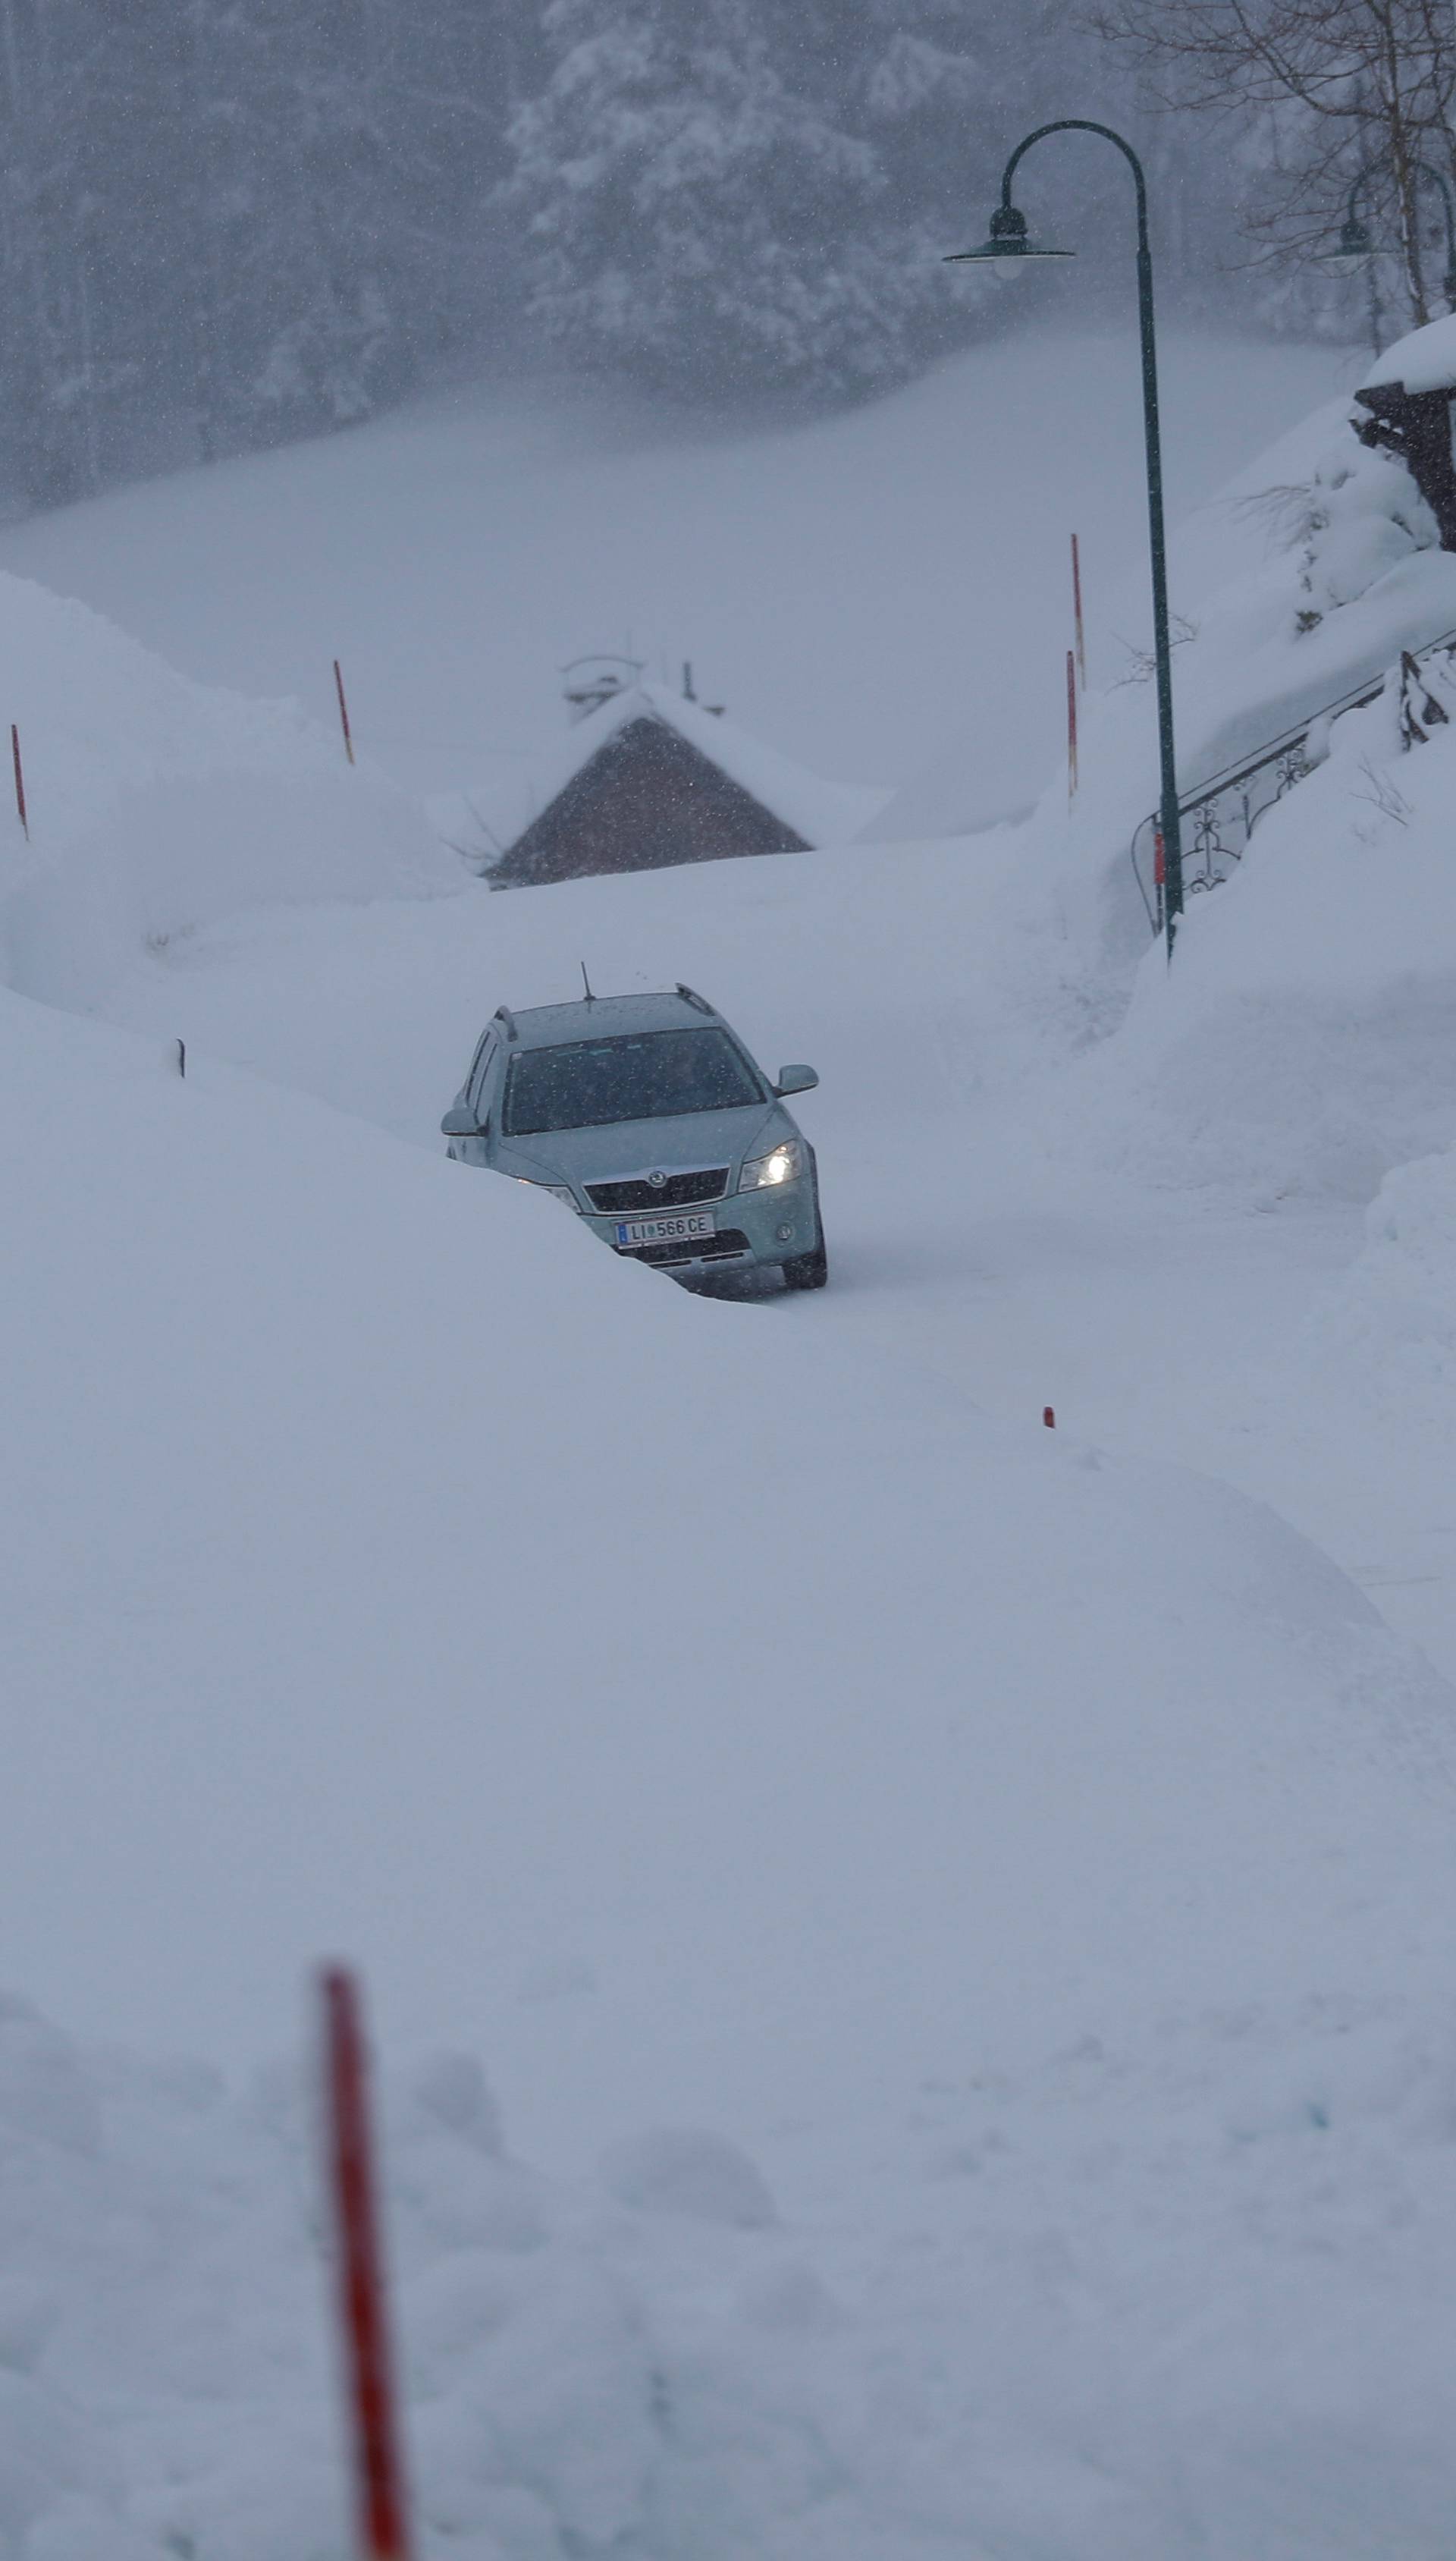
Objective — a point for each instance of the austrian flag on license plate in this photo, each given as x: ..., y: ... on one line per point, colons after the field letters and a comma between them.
x: 680, y: 1228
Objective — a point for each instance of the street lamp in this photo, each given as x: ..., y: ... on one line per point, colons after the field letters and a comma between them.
x: 1355, y: 245
x: 1005, y: 251
x: 1008, y: 246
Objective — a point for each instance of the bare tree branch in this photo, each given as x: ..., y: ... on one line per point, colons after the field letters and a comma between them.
x: 1348, y: 86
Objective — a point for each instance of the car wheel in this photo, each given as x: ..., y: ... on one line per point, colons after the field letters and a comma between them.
x: 807, y: 1271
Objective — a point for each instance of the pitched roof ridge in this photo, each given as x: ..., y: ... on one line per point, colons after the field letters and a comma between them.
x: 820, y: 812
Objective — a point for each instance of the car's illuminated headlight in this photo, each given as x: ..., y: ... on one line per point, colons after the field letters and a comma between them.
x: 782, y: 1164
x: 558, y: 1191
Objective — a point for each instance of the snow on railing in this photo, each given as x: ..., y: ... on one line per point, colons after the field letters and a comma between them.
x: 1222, y: 813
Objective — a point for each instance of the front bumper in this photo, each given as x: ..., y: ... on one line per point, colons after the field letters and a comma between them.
x: 759, y: 1227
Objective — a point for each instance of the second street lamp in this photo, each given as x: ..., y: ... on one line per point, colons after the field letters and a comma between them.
x: 1355, y: 245
x: 1004, y: 251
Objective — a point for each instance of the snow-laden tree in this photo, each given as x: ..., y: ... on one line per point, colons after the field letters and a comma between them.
x: 228, y: 222
x: 923, y: 83
x: 297, y: 327
x: 696, y: 204
x: 54, y: 372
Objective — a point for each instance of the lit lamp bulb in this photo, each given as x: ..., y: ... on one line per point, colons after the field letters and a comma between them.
x: 1008, y: 235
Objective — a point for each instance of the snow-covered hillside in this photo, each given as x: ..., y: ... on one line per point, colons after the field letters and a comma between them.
x: 855, y: 591
x: 953, y: 1914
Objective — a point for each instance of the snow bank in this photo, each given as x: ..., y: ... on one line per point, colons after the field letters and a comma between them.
x: 157, y: 805
x: 678, y: 2169
x: 1361, y: 1409
x: 1379, y: 1358
x: 1305, y: 1040
x: 1152, y: 2303
x: 1399, y: 1300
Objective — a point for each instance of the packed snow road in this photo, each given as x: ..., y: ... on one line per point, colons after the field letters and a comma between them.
x: 981, y: 1227
x: 1035, y: 1861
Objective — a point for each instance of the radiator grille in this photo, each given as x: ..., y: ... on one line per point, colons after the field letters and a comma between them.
x: 678, y: 1191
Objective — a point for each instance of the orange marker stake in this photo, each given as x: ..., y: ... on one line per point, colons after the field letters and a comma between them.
x: 1070, y: 727
x: 343, y: 712
x: 19, y: 779
x: 378, y: 2472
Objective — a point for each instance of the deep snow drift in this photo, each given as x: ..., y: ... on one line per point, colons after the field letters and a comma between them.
x: 954, y: 1915
x: 156, y: 805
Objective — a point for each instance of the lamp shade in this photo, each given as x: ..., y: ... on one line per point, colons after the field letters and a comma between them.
x: 1008, y: 250
x: 1356, y: 247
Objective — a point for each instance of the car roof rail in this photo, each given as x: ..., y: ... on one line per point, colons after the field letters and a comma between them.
x: 691, y: 997
x: 504, y: 1015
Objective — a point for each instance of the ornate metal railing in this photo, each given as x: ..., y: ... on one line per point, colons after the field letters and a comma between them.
x: 1221, y: 814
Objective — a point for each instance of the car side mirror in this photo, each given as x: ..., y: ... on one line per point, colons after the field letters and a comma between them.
x: 795, y: 1080
x: 460, y: 1124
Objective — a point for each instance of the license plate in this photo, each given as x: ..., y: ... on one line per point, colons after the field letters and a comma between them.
x: 680, y: 1228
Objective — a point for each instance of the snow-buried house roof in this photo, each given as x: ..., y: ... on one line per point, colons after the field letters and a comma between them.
x: 651, y: 778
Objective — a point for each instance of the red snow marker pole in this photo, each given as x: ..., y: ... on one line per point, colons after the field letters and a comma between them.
x: 379, y: 2478
x: 1076, y: 609
x: 19, y: 779
x: 1048, y: 1418
x: 343, y: 711
x: 1071, y: 726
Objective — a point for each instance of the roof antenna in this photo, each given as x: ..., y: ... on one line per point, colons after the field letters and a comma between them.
x: 586, y: 983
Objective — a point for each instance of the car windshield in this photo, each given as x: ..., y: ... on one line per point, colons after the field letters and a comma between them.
x: 638, y: 1076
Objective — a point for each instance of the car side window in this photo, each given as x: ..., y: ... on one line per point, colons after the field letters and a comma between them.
x: 485, y: 1059
x: 467, y: 1081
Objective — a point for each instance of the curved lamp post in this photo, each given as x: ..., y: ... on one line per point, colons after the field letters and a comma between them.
x: 1006, y: 252
x: 1355, y: 245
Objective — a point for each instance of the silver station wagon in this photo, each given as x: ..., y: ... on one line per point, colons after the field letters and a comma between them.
x: 647, y: 1115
